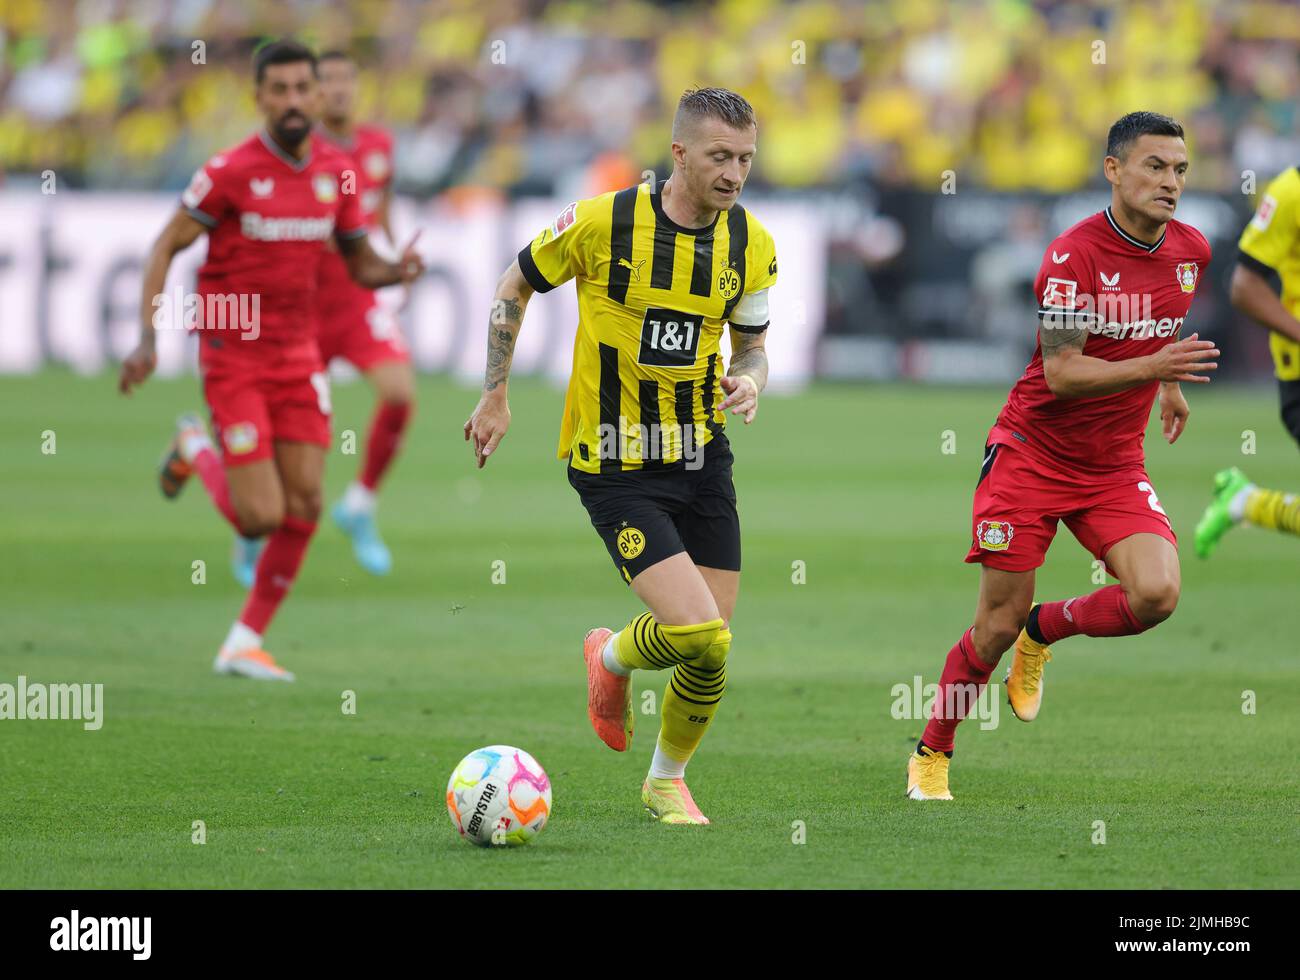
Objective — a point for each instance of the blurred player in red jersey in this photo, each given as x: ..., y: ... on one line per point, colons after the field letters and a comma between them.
x: 269, y: 206
x: 1114, y: 292
x: 353, y: 323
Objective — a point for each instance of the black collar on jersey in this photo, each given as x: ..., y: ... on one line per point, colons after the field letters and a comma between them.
x: 275, y: 148
x: 657, y: 203
x: 1130, y: 239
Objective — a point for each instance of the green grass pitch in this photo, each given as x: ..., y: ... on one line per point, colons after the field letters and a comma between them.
x: 1146, y: 734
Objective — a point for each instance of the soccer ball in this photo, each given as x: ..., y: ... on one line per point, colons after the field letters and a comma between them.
x: 499, y: 795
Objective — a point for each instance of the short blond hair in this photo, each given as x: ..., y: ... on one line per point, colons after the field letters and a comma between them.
x: 712, y: 103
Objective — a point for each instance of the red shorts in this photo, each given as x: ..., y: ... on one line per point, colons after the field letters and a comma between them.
x: 258, y: 398
x: 360, y: 330
x: 1019, y: 499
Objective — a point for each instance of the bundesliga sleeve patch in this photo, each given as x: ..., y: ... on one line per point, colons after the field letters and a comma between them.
x: 200, y: 186
x: 376, y: 165
x: 994, y: 535
x: 565, y: 219
x: 1059, y: 294
x: 1264, y: 213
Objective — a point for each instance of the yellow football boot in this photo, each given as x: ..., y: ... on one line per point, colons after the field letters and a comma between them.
x: 927, y: 775
x: 1025, y: 677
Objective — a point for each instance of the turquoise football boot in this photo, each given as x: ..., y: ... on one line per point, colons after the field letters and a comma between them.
x: 371, y: 552
x: 244, y: 557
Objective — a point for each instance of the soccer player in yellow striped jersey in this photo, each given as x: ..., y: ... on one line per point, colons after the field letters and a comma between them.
x: 1266, y: 287
x: 659, y: 269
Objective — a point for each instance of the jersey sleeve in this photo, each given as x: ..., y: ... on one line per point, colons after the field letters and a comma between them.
x: 386, y: 147
x: 207, y: 199
x: 558, y: 253
x: 762, y: 263
x: 349, y: 222
x: 1064, y: 287
x: 750, y: 313
x: 1272, y: 232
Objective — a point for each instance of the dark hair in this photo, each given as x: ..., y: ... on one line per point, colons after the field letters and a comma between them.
x: 1136, y: 124
x: 716, y: 103
x: 335, y: 54
x: 282, y: 52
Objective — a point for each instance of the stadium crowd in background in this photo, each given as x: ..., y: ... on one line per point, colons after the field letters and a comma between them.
x: 523, y: 95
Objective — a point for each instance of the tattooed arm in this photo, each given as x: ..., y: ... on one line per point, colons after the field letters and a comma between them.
x: 746, y: 375
x: 1070, y: 373
x: 487, y: 426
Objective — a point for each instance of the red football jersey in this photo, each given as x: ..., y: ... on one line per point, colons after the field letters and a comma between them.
x: 270, y: 218
x: 1133, y: 298
x: 370, y: 155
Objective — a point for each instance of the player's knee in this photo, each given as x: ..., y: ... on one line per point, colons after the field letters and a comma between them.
x: 397, y: 391
x: 258, y: 518
x: 399, y: 396
x: 1154, y: 600
x: 715, y: 657
x: 304, y: 504
x: 993, y: 636
x: 693, y: 641
x: 259, y: 524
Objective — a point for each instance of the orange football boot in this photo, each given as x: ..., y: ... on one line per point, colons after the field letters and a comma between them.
x: 609, y: 695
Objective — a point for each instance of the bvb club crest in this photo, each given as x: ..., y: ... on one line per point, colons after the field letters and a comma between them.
x: 1186, y: 273
x: 631, y: 542
x: 994, y: 535
x: 728, y: 283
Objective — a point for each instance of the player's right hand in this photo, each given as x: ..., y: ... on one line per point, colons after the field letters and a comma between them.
x: 487, y: 426
x: 139, y: 364
x: 1185, y: 360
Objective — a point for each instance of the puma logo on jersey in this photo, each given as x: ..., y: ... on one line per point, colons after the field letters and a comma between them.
x: 634, y: 268
x: 1058, y: 259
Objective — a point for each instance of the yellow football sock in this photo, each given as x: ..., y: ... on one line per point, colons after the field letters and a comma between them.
x: 644, y: 644
x: 691, y: 699
x: 1274, y: 509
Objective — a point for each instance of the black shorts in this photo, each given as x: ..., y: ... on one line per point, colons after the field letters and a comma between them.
x: 645, y: 516
x: 1289, y: 395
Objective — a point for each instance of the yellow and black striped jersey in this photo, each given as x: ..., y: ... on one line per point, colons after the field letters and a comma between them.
x: 1270, y: 245
x: 652, y: 298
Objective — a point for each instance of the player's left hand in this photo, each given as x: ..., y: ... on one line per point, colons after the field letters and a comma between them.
x: 410, y: 265
x: 1173, y: 412
x: 742, y: 396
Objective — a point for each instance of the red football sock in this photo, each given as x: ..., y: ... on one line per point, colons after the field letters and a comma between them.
x: 276, y: 570
x: 953, y: 702
x: 1105, y: 612
x: 208, y: 465
x: 386, y: 430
